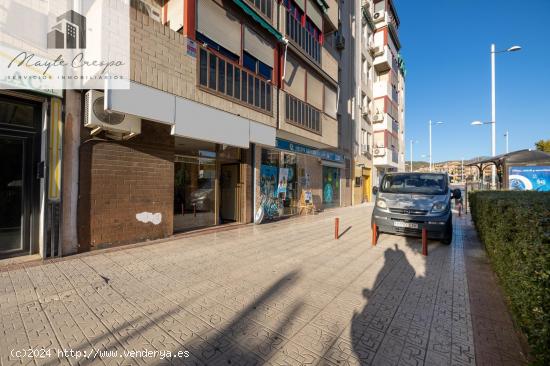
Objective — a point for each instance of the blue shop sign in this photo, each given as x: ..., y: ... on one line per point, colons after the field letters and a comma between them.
x: 302, y: 149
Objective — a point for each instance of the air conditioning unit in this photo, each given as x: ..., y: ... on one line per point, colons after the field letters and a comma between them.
x: 376, y: 50
x: 116, y: 125
x: 149, y: 7
x: 378, y: 16
x: 379, y: 151
x: 378, y: 117
x: 340, y: 42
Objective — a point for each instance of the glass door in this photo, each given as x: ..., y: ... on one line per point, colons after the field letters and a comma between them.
x: 194, y: 193
x: 12, y: 195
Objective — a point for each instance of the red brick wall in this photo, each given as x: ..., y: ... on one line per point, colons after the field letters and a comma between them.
x: 121, y: 179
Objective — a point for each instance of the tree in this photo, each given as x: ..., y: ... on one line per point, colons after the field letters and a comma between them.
x: 543, y: 145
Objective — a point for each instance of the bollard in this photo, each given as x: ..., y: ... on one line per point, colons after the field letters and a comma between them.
x: 424, y: 242
x: 374, y: 235
x: 336, y: 227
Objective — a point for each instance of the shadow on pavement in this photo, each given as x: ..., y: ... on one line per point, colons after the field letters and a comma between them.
x: 394, y: 325
x: 242, y: 341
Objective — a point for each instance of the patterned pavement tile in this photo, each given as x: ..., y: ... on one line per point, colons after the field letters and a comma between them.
x: 264, y: 295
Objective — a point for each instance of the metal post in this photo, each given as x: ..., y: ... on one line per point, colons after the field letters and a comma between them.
x: 336, y: 225
x: 430, y: 145
x: 493, y: 114
x: 424, y: 242
x: 411, y: 155
x: 462, y: 171
x: 506, y: 135
x: 374, y: 235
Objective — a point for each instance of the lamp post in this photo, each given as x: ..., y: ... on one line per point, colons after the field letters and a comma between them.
x: 507, y: 135
x: 415, y: 142
x: 462, y: 166
x: 493, y: 104
x: 430, y: 123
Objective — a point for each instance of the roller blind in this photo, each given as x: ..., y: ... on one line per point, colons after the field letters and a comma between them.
x: 219, y: 25
x: 174, y: 14
x: 330, y: 102
x: 300, y: 4
x: 315, y: 14
x: 258, y: 47
x: 295, y: 78
x: 314, y: 91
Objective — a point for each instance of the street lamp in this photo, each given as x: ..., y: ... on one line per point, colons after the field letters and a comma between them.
x: 416, y: 142
x: 436, y: 123
x: 493, y: 104
x: 507, y: 136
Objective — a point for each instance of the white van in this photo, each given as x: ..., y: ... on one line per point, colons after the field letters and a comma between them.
x: 408, y: 202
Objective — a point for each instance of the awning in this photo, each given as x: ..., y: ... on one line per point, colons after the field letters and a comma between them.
x: 259, y: 19
x: 323, y: 4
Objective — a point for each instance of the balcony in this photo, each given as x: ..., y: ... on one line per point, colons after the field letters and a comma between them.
x: 382, y: 122
x: 302, y: 38
x: 385, y: 157
x: 384, y: 61
x: 382, y: 89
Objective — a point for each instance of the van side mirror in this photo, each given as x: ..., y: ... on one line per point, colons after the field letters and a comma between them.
x: 375, y: 190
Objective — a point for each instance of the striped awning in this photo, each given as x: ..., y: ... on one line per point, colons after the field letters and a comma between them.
x: 259, y: 19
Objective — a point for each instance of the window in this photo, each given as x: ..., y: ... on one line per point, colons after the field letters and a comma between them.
x: 250, y: 62
x: 215, y: 46
x: 264, y: 6
x: 304, y: 30
x: 256, y: 66
x: 233, y: 81
x: 302, y: 114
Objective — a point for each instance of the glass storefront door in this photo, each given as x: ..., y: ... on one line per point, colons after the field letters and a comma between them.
x: 11, y: 195
x: 194, y: 193
x: 19, y: 186
x: 331, y: 186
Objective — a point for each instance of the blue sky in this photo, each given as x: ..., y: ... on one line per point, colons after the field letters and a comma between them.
x: 446, y: 46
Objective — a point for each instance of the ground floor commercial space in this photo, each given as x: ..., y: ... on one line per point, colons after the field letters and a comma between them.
x: 30, y: 181
x: 296, y: 176
x: 157, y: 184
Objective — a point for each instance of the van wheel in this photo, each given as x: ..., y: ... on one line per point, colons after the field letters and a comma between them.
x: 448, y: 238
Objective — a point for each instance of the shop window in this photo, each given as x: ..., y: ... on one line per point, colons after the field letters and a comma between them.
x: 331, y: 186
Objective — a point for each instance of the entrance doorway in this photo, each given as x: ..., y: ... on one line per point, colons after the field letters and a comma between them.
x: 230, y: 193
x: 367, y: 190
x: 19, y: 186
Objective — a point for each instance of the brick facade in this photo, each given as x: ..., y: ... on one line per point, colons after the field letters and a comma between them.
x: 121, y: 179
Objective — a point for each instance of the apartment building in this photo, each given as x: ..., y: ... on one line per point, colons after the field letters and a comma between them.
x: 388, y: 103
x: 230, y: 102
x: 372, y: 107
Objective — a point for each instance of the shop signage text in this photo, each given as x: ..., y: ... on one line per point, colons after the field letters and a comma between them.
x: 302, y: 149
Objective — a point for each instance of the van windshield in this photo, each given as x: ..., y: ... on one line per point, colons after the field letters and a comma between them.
x: 414, y: 183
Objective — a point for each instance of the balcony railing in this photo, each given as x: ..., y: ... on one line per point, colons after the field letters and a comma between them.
x: 302, y: 37
x: 303, y: 115
x: 233, y: 82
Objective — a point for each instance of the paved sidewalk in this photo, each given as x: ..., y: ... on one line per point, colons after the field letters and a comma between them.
x: 284, y: 293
